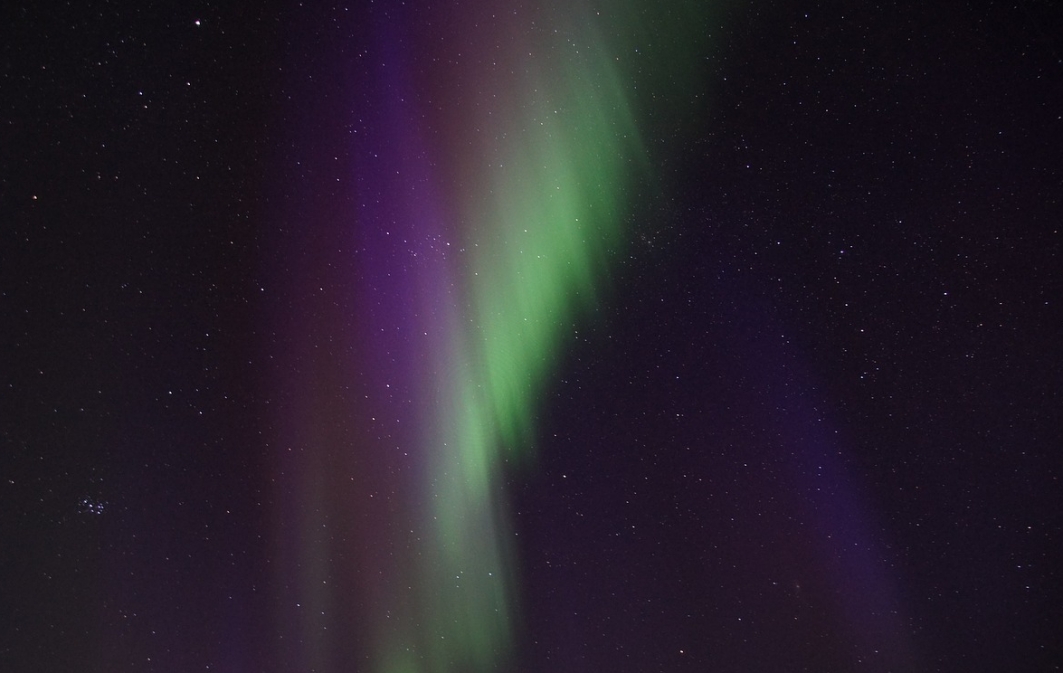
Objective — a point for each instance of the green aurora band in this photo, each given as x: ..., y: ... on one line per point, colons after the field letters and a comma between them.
x: 548, y: 212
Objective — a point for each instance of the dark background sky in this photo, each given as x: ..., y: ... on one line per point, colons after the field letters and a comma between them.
x: 815, y: 425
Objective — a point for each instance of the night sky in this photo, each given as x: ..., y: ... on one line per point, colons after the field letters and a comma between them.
x: 531, y: 337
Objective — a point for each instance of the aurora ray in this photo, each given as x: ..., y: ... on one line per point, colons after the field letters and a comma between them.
x: 554, y: 146
x: 492, y: 172
x: 546, y: 157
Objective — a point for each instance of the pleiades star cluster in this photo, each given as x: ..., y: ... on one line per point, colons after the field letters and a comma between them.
x: 550, y: 337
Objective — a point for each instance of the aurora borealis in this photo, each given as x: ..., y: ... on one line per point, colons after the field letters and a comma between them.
x: 468, y: 337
